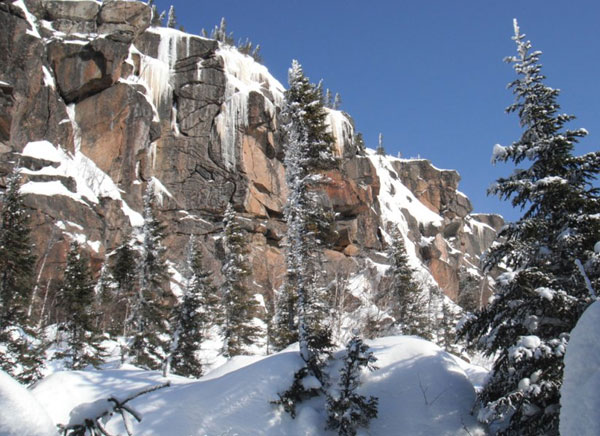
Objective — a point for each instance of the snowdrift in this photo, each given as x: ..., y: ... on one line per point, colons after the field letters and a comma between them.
x: 422, y: 390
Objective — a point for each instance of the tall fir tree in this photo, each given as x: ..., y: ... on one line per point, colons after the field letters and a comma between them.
x: 17, y: 260
x: 197, y: 312
x: 149, y: 312
x: 123, y: 274
x: 404, y: 299
x: 527, y: 324
x: 22, y: 354
x: 239, y: 306
x: 79, y: 327
x: 309, y: 150
x: 171, y: 18
x: 347, y: 410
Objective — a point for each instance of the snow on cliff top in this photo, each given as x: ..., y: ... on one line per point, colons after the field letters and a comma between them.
x: 422, y: 391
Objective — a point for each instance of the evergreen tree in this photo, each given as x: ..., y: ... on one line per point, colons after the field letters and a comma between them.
x: 171, y: 18
x: 359, y: 143
x: 380, y: 150
x: 337, y: 102
x: 405, y: 301
x: 123, y: 274
x: 17, y: 260
x: 328, y: 100
x: 240, y: 308
x: 526, y: 326
x: 220, y: 33
x: 309, y: 149
x: 21, y: 355
x: 149, y: 313
x: 77, y: 298
x: 196, y: 313
x: 285, y: 326
x: 346, y: 409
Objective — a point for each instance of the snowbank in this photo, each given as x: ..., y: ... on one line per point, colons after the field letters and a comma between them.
x: 580, y: 392
x: 20, y: 413
x: 422, y: 391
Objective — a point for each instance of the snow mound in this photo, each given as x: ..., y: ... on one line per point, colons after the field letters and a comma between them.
x: 422, y: 391
x: 580, y: 392
x: 20, y: 413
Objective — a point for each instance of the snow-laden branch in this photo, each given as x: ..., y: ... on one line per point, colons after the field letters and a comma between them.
x: 91, y: 417
x: 588, y: 283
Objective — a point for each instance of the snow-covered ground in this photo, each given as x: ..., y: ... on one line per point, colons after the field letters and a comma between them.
x: 422, y: 390
x: 580, y: 399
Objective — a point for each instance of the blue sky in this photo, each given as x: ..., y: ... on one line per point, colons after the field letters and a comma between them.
x: 427, y: 74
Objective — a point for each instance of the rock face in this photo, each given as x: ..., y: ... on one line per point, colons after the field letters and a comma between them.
x: 121, y: 103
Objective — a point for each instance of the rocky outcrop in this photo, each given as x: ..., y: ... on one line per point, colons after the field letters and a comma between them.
x: 122, y: 103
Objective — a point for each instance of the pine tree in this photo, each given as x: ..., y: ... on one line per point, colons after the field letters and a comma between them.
x: 149, y: 313
x: 76, y: 298
x: 380, y: 150
x: 346, y: 409
x: 240, y: 308
x: 404, y: 299
x: 337, y: 102
x: 526, y: 326
x: 309, y: 149
x: 22, y: 353
x: 359, y: 143
x: 123, y: 274
x: 17, y: 260
x: 198, y: 311
x: 171, y: 18
x: 285, y: 326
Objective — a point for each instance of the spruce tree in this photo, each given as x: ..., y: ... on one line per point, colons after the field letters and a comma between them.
x: 380, y: 150
x: 239, y: 306
x: 123, y: 274
x: 197, y: 312
x: 406, y: 304
x: 346, y: 409
x: 527, y: 324
x: 76, y: 298
x: 22, y: 353
x: 171, y: 18
x: 285, y: 328
x: 309, y: 150
x: 17, y: 260
x: 149, y: 312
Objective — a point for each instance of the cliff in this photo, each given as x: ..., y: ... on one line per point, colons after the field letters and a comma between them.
x: 95, y: 103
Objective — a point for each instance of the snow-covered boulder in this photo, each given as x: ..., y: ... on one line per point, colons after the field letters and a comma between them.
x: 20, y: 413
x: 580, y: 392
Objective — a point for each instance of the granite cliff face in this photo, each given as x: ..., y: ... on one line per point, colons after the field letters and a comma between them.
x: 95, y: 104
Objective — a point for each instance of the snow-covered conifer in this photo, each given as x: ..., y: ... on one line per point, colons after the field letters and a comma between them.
x: 22, y: 351
x: 527, y: 324
x: 239, y: 306
x: 404, y: 298
x: 149, y: 313
x: 171, y: 18
x: 76, y: 298
x: 337, y: 101
x: 309, y: 149
x: 196, y: 313
x: 380, y: 150
x: 347, y: 410
x: 123, y: 275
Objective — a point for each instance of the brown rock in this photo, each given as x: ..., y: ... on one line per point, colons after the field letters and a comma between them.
x: 81, y: 10
x: 84, y: 70
x: 116, y: 123
x: 352, y: 250
x: 125, y: 17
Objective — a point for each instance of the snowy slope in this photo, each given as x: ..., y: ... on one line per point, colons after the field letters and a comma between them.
x: 580, y: 392
x: 422, y: 391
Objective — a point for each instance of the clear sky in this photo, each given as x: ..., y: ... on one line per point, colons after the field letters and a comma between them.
x: 427, y: 74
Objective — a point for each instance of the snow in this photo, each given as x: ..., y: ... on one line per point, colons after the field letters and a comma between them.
x: 20, y: 412
x: 546, y: 293
x: 421, y: 389
x: 580, y: 392
x: 30, y: 19
x: 244, y: 75
x: 498, y: 153
x: 341, y: 129
x: 597, y: 248
x: 92, y: 183
x: 48, y: 78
